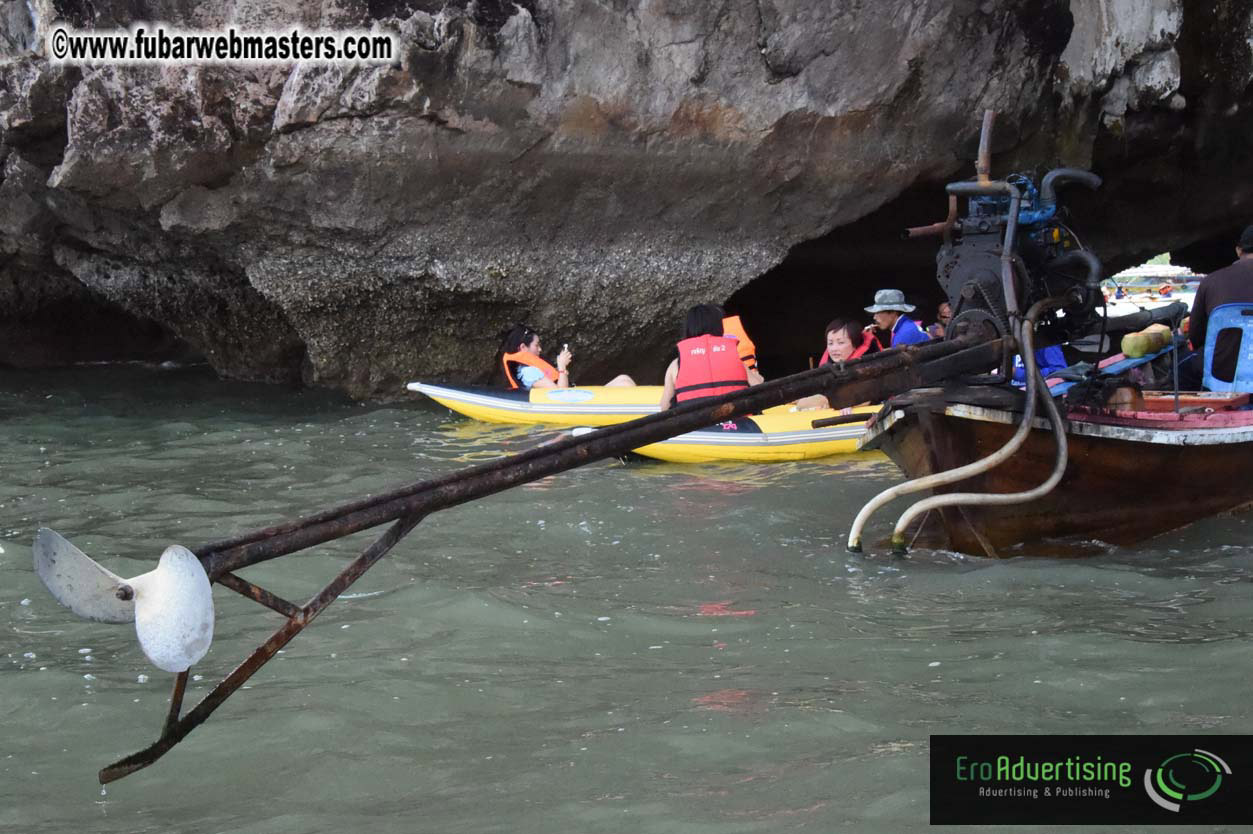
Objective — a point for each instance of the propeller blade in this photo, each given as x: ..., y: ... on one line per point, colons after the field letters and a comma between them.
x: 78, y: 582
x: 174, y: 610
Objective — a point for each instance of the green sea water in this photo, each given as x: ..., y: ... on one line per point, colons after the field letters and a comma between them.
x: 628, y: 647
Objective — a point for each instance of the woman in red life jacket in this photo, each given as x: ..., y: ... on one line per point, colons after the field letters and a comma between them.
x: 525, y: 368
x: 845, y: 340
x: 709, y: 363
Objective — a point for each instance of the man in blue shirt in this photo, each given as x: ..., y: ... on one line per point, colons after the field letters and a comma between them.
x: 888, y: 310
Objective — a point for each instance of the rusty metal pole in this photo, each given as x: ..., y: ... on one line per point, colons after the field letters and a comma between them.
x: 944, y: 227
x: 176, y: 728
x: 870, y: 378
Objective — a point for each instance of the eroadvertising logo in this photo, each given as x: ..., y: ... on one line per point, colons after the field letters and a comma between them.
x: 1192, y: 776
x: 1091, y: 779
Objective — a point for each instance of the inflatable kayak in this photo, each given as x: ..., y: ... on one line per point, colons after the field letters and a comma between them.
x: 765, y: 438
x: 593, y: 405
x: 779, y: 434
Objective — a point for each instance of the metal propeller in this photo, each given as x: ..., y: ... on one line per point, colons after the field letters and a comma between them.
x: 171, y: 606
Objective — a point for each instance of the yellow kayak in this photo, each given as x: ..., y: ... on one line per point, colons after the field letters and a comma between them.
x: 777, y: 435
x: 592, y: 405
x: 589, y: 405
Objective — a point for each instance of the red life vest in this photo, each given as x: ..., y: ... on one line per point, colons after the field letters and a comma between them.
x: 857, y: 354
x: 709, y: 366
x: 522, y: 357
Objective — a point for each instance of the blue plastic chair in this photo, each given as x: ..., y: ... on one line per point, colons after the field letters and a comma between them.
x: 1225, y: 318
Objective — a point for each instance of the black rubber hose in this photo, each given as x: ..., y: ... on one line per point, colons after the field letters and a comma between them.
x: 1171, y: 314
x: 1058, y: 176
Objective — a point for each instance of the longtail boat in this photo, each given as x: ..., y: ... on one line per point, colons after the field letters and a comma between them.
x: 1106, y: 492
x: 998, y: 477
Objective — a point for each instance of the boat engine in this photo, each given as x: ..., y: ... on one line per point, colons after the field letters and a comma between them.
x: 1012, y: 250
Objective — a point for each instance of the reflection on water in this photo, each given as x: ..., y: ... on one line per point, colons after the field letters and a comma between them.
x: 633, y: 646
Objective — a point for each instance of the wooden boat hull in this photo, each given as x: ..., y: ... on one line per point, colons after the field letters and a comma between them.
x: 1126, y: 479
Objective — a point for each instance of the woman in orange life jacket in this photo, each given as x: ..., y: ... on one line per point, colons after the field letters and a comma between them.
x: 709, y: 363
x: 524, y: 368
x: 845, y: 340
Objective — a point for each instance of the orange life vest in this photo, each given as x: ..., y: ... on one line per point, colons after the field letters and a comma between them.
x: 732, y: 326
x: 522, y: 357
x: 709, y: 366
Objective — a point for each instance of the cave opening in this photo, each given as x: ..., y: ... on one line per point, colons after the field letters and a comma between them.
x: 65, y: 324
x: 1209, y: 254
x: 786, y: 310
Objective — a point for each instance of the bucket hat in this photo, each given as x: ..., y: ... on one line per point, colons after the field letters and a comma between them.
x: 889, y: 300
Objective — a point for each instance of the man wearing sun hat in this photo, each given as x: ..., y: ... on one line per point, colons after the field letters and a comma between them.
x: 888, y: 310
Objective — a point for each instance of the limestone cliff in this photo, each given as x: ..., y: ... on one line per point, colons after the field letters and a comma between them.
x: 589, y: 166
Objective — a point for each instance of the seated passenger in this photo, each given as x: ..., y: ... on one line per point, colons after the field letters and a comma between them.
x: 732, y: 326
x: 524, y: 368
x: 845, y: 341
x: 1232, y: 284
x: 943, y: 314
x: 709, y: 363
x: 888, y: 311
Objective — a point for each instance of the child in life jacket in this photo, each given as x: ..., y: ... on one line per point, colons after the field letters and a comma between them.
x: 709, y: 363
